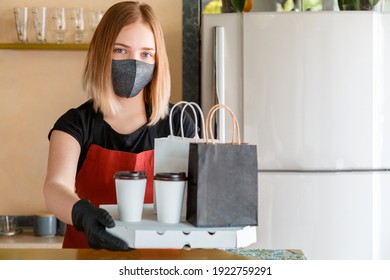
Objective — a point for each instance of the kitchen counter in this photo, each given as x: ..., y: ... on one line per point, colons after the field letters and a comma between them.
x: 26, y: 245
x: 139, y: 254
x: 27, y: 239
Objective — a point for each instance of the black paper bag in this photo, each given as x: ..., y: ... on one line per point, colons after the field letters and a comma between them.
x: 222, y: 183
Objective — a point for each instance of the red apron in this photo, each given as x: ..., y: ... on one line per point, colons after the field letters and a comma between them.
x: 95, y: 181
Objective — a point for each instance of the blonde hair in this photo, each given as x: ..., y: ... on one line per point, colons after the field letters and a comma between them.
x: 97, y: 80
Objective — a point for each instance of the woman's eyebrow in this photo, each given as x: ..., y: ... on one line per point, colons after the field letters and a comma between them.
x: 149, y: 49
x: 127, y: 46
x: 122, y: 45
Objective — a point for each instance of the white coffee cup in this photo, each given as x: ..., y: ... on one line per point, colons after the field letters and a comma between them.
x: 169, y: 188
x: 130, y: 194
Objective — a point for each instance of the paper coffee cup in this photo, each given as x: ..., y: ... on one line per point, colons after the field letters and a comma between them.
x: 130, y: 194
x: 169, y: 189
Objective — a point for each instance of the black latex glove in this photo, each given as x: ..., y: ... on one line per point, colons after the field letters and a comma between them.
x: 93, y: 222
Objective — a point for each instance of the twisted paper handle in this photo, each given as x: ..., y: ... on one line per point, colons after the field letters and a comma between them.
x: 209, y: 129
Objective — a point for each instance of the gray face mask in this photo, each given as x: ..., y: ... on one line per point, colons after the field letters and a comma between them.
x: 130, y: 76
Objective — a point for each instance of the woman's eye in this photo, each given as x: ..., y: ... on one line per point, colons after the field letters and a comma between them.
x: 147, y: 55
x: 119, y: 51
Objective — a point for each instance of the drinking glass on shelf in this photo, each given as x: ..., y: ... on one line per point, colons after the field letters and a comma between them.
x: 60, y: 24
x: 21, y: 21
x: 79, y: 29
x: 96, y: 16
x: 39, y: 22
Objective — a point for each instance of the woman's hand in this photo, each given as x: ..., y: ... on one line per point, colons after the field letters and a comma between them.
x: 93, y: 222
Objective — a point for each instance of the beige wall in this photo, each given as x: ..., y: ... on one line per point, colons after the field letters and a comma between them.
x: 37, y: 86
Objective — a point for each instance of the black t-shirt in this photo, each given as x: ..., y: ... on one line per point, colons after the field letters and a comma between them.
x: 88, y: 127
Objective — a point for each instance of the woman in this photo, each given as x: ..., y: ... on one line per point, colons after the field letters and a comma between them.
x: 127, y: 77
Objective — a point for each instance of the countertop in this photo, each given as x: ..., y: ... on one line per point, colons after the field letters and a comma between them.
x: 27, y: 239
x: 139, y: 254
x: 26, y: 245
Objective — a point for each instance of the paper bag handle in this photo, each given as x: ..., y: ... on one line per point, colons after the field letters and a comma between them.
x: 196, y: 126
x: 210, y: 115
x: 181, y: 118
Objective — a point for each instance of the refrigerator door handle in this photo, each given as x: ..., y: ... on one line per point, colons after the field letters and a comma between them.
x: 219, y: 80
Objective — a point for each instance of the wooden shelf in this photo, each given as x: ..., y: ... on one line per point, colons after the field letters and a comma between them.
x: 19, y: 46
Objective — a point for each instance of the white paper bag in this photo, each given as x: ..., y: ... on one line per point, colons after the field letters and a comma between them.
x: 171, y: 153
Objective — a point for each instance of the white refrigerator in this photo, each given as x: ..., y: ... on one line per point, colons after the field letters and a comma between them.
x: 312, y: 91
